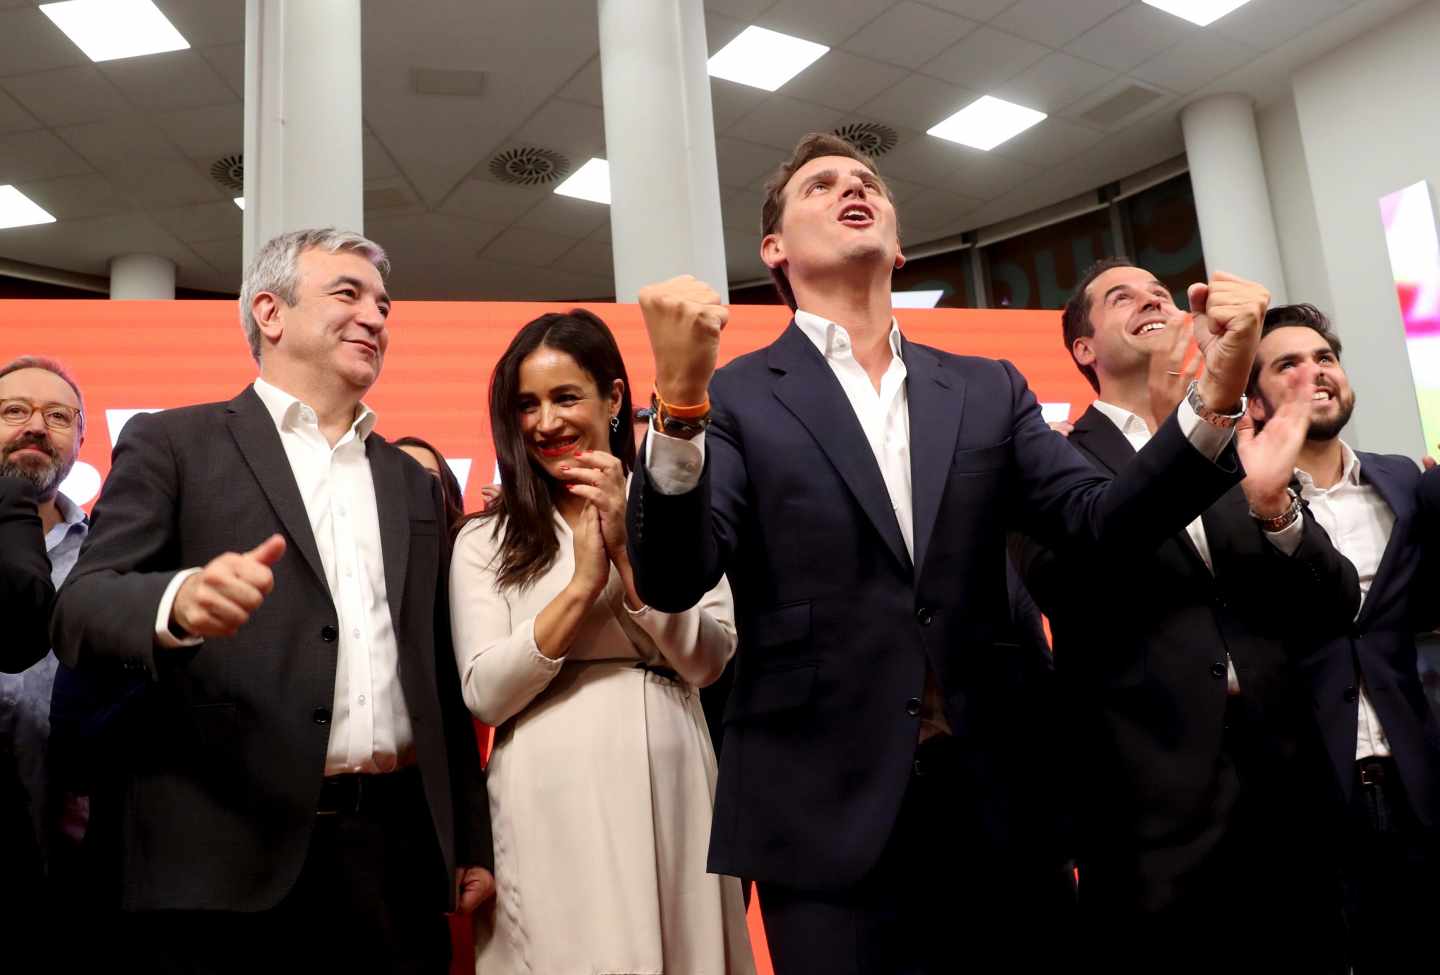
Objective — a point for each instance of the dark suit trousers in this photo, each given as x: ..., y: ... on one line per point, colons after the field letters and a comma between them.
x: 365, y: 901
x: 939, y: 900
x: 1392, y: 876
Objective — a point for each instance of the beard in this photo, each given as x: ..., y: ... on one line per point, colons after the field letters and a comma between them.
x: 1322, y: 431
x: 46, y: 476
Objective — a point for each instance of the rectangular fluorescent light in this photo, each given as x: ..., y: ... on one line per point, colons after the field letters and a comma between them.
x: 107, y: 30
x: 915, y: 299
x: 986, y: 122
x: 18, y: 210
x: 240, y: 202
x: 764, y: 59
x: 1202, y: 13
x: 590, y: 182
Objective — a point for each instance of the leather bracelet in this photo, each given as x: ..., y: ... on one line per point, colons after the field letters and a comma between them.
x: 666, y: 422
x: 1283, y: 520
x: 681, y: 412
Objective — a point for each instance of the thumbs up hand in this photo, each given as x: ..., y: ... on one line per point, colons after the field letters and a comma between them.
x: 220, y: 598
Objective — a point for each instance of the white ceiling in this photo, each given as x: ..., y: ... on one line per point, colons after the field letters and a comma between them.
x: 120, y: 152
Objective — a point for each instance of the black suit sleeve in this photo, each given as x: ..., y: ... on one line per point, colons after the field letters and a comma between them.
x: 106, y: 609
x: 1310, y: 593
x: 675, y: 568
x: 26, y: 594
x: 1425, y: 607
x: 1062, y: 501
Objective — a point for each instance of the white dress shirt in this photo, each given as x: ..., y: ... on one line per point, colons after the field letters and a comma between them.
x: 370, y: 728
x: 675, y: 464
x: 1359, y: 522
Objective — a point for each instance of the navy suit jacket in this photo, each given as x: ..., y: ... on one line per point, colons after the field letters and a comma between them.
x: 838, y: 625
x: 1380, y: 644
x: 1140, y: 650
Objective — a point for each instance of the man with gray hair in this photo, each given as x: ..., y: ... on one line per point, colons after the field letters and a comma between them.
x: 303, y: 788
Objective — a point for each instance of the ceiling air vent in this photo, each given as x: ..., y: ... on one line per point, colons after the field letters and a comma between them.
x: 229, y: 172
x: 529, y: 166
x: 871, y: 138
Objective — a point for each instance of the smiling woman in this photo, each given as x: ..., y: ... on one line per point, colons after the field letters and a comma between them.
x: 602, y: 776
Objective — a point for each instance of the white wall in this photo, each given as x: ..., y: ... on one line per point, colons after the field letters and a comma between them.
x: 1367, y: 115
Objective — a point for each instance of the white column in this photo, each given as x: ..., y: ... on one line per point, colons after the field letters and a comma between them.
x: 1237, y: 228
x: 660, y: 142
x: 142, y: 277
x: 303, y: 131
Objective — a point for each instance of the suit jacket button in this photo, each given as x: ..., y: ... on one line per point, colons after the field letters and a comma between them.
x: 320, y: 716
x: 1351, y: 695
x: 328, y: 633
x: 1217, y: 670
x: 924, y: 615
x: 912, y: 707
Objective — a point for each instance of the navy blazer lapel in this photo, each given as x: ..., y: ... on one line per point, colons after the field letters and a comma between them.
x: 1098, y: 436
x: 1374, y: 470
x: 937, y: 401
x: 254, y: 431
x: 808, y: 389
x: 393, y: 511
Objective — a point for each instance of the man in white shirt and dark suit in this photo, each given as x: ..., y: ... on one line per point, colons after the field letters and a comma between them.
x: 1183, y: 723
x: 1380, y: 735
x: 857, y: 489
x: 303, y: 787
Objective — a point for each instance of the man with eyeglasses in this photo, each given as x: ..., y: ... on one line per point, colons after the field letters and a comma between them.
x: 42, y: 425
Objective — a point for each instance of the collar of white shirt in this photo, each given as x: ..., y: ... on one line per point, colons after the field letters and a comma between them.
x: 1129, y: 423
x: 832, y: 341
x: 287, y: 410
x: 1349, y: 472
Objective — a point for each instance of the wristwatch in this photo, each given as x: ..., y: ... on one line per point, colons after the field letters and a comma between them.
x: 1223, y: 420
x: 683, y: 422
x: 1283, y: 520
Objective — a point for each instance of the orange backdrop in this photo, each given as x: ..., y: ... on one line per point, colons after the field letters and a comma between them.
x: 146, y: 355
x: 142, y: 355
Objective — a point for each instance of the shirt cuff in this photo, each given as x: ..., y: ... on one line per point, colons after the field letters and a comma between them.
x: 1207, y: 438
x: 1287, y: 539
x: 163, y: 636
x: 675, y: 464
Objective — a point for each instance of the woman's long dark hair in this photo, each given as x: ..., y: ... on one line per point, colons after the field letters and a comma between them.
x: 525, y: 510
x: 450, y: 491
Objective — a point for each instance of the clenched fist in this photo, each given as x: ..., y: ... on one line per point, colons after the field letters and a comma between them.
x: 684, y: 317
x: 1228, y: 313
x: 219, y: 599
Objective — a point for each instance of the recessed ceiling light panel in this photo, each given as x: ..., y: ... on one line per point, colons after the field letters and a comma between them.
x: 764, y: 59
x: 1202, y: 13
x: 986, y: 122
x: 107, y: 30
x: 18, y: 210
x: 590, y: 182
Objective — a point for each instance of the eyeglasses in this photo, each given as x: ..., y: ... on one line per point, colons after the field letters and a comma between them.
x: 18, y: 412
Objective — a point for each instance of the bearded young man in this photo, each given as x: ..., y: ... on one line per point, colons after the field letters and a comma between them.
x: 1382, y: 739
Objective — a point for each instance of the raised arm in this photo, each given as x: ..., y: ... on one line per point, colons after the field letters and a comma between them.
x: 26, y: 595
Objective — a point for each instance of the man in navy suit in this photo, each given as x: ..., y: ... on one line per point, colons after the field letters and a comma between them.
x: 857, y: 488
x: 1382, y: 739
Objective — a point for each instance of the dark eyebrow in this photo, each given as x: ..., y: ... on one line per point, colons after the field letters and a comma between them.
x: 1153, y: 282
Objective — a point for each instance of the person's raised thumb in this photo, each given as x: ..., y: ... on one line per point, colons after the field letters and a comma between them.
x: 269, y: 551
